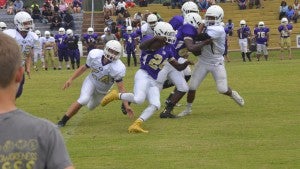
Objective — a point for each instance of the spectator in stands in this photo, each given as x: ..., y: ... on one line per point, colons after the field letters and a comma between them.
x: 230, y: 27
x: 143, y: 3
x: 68, y: 21
x: 56, y: 22
x: 257, y: 3
x: 108, y: 35
x: 130, y: 4
x: 291, y: 14
x: 109, y: 7
x: 107, y: 19
x: 115, y: 30
x: 242, y: 4
x: 121, y: 7
x: 176, y: 3
x: 63, y: 8
x: 137, y: 17
x: 203, y: 5
x: 296, y: 7
x: 10, y: 8
x: 47, y: 13
x: 36, y: 13
x: 283, y: 9
x: 77, y: 5
x: 18, y: 6
x: 120, y: 19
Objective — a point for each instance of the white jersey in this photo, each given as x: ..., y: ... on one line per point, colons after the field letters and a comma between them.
x: 146, y: 30
x: 104, y: 76
x: 48, y: 40
x: 38, y: 44
x: 212, y: 54
x: 26, y: 43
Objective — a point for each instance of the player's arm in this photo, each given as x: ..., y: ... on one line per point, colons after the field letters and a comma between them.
x: 179, y: 66
x: 76, y: 74
x: 152, y: 44
x: 195, y: 48
x: 121, y: 88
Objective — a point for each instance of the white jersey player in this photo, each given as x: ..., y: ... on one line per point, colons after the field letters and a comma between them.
x: 49, y: 49
x: 211, y: 59
x: 106, y: 69
x: 25, y: 38
x: 38, y: 51
x: 148, y: 28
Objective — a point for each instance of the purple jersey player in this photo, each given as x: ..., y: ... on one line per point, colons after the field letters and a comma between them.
x: 73, y: 51
x: 243, y: 34
x: 129, y: 44
x: 285, y: 30
x: 90, y: 39
x: 62, y: 48
x: 262, y: 37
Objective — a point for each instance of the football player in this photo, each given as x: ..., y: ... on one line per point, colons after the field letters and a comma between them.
x: 244, y: 34
x: 38, y: 51
x: 262, y: 37
x: 130, y: 44
x: 49, y: 48
x: 285, y: 30
x: 2, y: 26
x: 148, y: 28
x: 62, y: 48
x: 91, y: 39
x: 155, y: 51
x: 71, y: 41
x: 106, y: 69
x: 26, y: 39
x: 211, y: 59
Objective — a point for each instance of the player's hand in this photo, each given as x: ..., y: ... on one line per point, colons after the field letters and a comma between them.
x: 67, y: 84
x: 189, y: 62
x: 130, y: 112
x: 207, y: 41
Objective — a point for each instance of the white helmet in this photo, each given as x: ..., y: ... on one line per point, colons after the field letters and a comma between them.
x: 165, y: 29
x: 47, y: 34
x: 189, y: 7
x: 23, y: 21
x: 90, y: 30
x: 69, y: 32
x: 106, y: 29
x: 261, y: 24
x: 284, y: 21
x: 3, y: 26
x: 242, y: 23
x: 214, y: 11
x: 38, y: 33
x: 113, y: 50
x: 193, y: 19
x: 129, y: 29
x: 152, y: 20
x: 61, y: 31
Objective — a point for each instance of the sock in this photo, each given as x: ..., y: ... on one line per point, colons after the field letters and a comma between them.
x: 65, y: 119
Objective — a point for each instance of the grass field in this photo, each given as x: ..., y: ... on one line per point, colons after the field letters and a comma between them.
x: 264, y: 134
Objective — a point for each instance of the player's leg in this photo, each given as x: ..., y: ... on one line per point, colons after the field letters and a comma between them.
x: 259, y: 51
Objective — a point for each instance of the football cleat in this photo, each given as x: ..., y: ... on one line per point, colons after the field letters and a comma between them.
x: 184, y: 113
x: 61, y: 124
x: 136, y: 127
x: 166, y: 114
x: 111, y: 96
x: 237, y: 98
x: 123, y: 109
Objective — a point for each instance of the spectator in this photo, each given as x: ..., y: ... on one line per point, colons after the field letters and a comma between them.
x: 176, y: 3
x: 143, y: 3
x: 63, y: 8
x: 56, y: 22
x: 137, y: 17
x: 296, y: 7
x: 109, y: 7
x: 283, y: 9
x: 47, y: 13
x: 68, y: 21
x: 10, y: 8
x: 230, y: 27
x: 77, y: 5
x: 291, y: 14
x: 130, y: 4
x: 115, y: 30
x: 107, y: 19
x: 257, y: 3
x: 242, y: 4
x: 121, y: 7
x: 36, y: 13
x: 108, y: 35
x: 120, y: 19
x: 203, y: 5
x: 18, y: 6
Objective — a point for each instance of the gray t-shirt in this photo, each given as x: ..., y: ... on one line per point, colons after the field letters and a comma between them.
x: 30, y: 142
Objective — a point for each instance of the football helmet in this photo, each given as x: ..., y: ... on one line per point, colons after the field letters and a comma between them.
x: 284, y: 21
x: 23, y: 21
x: 113, y: 50
x: 189, y: 7
x: 3, y: 26
x: 193, y: 19
x: 261, y: 24
x: 90, y: 30
x: 61, y: 31
x: 216, y: 12
x: 38, y: 33
x: 69, y: 32
x: 47, y: 34
x: 129, y: 29
x: 242, y: 23
x: 106, y: 30
x: 166, y: 30
x: 152, y: 20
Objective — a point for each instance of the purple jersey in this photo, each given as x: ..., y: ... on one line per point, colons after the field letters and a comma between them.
x: 90, y: 39
x: 176, y: 21
x: 153, y: 61
x: 243, y: 32
x: 184, y: 31
x: 130, y: 40
x: 72, y: 42
x: 261, y: 35
x: 284, y: 30
x: 59, y: 39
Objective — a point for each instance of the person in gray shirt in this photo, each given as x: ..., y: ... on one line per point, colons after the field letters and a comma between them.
x: 26, y: 141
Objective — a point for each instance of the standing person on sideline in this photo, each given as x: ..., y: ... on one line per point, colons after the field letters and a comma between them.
x: 155, y: 51
x: 285, y: 30
x: 38, y: 51
x: 106, y: 69
x: 262, y: 38
x: 37, y: 137
x: 49, y: 48
x: 26, y: 39
x: 244, y: 33
x: 91, y: 39
x: 130, y: 44
x: 211, y: 60
x: 62, y: 51
x: 72, y: 48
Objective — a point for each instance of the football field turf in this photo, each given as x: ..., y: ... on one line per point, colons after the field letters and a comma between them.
x: 264, y: 134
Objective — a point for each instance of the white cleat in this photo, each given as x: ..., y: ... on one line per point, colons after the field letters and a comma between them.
x: 184, y: 113
x: 237, y: 98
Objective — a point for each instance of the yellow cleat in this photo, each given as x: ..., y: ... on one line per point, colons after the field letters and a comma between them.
x: 111, y: 96
x: 136, y: 127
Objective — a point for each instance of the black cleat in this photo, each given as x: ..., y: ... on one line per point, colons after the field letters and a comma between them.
x: 61, y: 124
x: 167, y: 114
x: 123, y: 109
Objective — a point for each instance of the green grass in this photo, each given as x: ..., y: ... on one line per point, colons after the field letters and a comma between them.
x: 219, y: 134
